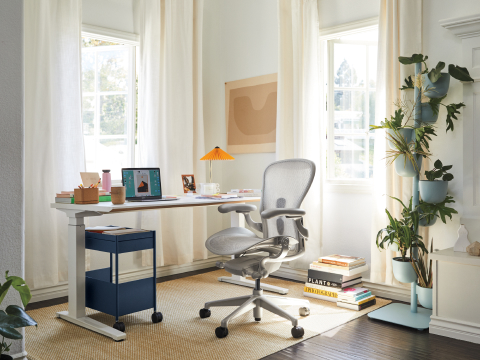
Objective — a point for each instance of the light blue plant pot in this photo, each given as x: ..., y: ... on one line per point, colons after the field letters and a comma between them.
x: 428, y: 116
x: 423, y: 222
x: 425, y: 296
x: 408, y: 135
x: 438, y: 88
x: 403, y: 271
x: 406, y: 168
x: 433, y: 192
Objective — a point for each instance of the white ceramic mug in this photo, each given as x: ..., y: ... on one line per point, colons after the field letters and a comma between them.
x: 208, y: 188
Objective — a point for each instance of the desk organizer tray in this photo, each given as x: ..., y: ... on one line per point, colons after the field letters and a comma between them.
x: 114, y: 298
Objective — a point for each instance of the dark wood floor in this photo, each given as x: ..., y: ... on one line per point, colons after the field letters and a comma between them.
x: 362, y: 338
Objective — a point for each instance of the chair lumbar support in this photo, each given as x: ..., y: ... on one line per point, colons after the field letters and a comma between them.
x: 257, y: 302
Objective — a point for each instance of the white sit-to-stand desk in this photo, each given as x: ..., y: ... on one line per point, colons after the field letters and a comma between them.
x: 76, y: 252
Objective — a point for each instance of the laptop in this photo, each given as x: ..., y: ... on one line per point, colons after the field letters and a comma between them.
x: 143, y: 184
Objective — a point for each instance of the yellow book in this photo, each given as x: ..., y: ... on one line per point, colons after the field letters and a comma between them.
x: 332, y: 294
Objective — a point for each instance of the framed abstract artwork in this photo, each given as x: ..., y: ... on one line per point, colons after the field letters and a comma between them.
x: 251, y: 114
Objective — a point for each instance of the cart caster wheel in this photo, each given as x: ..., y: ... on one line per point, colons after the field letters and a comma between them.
x: 258, y: 319
x: 221, y: 332
x: 157, y: 317
x: 304, y: 311
x: 204, y: 313
x: 297, y: 332
x: 120, y: 326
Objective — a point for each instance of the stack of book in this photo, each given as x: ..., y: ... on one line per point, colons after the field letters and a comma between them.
x: 66, y: 197
x: 246, y: 192
x: 336, y: 278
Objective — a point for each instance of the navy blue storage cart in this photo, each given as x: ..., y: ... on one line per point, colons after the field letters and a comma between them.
x: 116, y: 299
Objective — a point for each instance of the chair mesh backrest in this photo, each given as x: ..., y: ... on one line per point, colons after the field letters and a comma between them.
x: 285, y: 184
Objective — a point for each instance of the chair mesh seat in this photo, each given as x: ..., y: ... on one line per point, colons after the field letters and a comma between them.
x: 232, y: 241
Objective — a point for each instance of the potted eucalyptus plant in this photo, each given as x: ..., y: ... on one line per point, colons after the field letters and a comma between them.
x: 14, y: 316
x: 434, y: 189
x: 403, y: 234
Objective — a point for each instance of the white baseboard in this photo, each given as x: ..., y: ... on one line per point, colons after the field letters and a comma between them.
x: 456, y: 329
x: 381, y: 290
x: 19, y: 356
x: 60, y: 290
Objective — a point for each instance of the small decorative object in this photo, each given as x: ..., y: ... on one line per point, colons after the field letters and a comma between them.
x: 251, y: 114
x: 118, y: 195
x: 188, y: 183
x: 216, y: 154
x: 462, y: 241
x: 106, y: 180
x: 474, y: 249
x: 13, y: 317
x: 209, y: 188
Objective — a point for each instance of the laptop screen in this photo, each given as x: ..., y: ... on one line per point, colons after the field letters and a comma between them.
x: 141, y: 183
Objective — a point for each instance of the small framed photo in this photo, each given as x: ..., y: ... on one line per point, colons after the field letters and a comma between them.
x: 188, y: 183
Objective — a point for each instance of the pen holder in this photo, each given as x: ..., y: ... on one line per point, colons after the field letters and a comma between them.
x: 86, y: 196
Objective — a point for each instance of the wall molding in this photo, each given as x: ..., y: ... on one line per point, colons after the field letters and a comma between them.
x: 351, y: 28
x: 464, y: 26
x: 461, y: 330
x: 106, y: 34
x: 392, y: 292
x: 61, y: 289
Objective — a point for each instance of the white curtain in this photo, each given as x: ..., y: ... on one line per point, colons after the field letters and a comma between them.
x: 299, y: 126
x: 400, y: 34
x: 54, y: 152
x: 170, y: 129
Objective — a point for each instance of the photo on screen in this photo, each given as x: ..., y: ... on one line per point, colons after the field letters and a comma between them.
x: 142, y: 183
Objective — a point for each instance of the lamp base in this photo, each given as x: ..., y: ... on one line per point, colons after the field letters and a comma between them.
x: 400, y: 314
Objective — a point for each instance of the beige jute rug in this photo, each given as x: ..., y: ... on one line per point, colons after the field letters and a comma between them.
x: 183, y: 334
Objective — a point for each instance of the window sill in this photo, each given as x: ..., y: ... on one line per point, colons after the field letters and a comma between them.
x: 348, y: 188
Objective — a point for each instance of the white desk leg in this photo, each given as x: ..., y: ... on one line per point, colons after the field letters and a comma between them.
x: 238, y: 220
x: 76, y: 282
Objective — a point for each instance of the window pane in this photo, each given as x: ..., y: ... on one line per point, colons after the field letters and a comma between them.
x: 112, y: 70
x: 113, y: 114
x: 88, y: 71
x: 372, y: 66
x: 88, y: 114
x: 349, y: 65
x: 349, y: 111
x: 371, y: 150
x: 113, y: 154
x: 350, y: 156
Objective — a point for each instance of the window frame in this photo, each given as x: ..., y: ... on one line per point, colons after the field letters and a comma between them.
x: 328, y: 38
x: 131, y: 42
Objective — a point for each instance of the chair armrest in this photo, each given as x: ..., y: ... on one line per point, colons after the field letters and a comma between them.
x: 242, y: 209
x: 288, y: 212
x: 239, y: 208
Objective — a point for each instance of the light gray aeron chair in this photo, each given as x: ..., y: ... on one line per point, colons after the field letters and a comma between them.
x: 285, y: 184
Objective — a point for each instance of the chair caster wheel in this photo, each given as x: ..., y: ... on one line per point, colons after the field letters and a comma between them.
x: 297, y: 332
x: 157, y: 317
x: 120, y: 326
x: 258, y: 319
x: 204, y: 313
x: 304, y: 311
x: 221, y: 332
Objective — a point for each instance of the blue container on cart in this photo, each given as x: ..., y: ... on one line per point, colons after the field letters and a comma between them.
x: 102, y: 294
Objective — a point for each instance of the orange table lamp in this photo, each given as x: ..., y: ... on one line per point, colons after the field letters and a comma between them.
x: 216, y: 154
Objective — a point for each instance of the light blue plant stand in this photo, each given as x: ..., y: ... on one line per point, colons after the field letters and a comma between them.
x: 403, y: 314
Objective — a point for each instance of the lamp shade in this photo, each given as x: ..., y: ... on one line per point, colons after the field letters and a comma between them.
x: 217, y: 154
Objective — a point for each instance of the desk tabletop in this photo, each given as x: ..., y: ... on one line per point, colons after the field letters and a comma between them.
x: 183, y: 201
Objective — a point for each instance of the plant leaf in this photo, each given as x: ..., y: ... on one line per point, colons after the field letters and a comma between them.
x: 408, y: 84
x: 447, y: 167
x: 452, y: 109
x: 436, y: 73
x: 438, y: 164
x: 19, y: 313
x: 414, y: 59
x: 447, y: 177
x: 19, y: 284
x: 4, y: 289
x: 459, y: 73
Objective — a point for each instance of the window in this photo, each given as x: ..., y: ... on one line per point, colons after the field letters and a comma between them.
x: 108, y: 102
x: 351, y: 80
